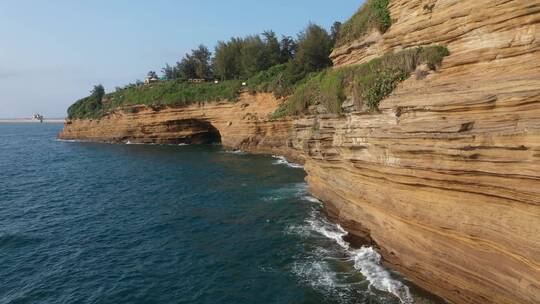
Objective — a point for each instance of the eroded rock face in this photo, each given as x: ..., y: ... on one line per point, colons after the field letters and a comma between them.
x: 445, y: 179
x: 239, y: 125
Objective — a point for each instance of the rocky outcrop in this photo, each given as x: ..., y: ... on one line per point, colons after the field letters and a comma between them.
x: 242, y: 125
x: 444, y: 179
x: 450, y: 206
x: 475, y: 31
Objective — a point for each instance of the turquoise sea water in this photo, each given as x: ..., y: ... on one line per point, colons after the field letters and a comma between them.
x: 99, y: 223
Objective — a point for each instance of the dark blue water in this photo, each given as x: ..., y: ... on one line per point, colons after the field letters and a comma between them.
x: 97, y: 223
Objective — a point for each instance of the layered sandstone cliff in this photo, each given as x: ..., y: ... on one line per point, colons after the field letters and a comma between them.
x: 242, y: 125
x: 444, y: 180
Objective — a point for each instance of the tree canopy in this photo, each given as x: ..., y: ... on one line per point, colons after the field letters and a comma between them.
x: 98, y: 91
x: 263, y: 61
x: 245, y: 57
x: 314, y: 47
x: 197, y: 64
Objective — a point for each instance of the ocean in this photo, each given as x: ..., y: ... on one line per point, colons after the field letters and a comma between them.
x: 100, y: 223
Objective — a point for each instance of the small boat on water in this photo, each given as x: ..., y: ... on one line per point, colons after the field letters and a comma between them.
x: 37, y: 116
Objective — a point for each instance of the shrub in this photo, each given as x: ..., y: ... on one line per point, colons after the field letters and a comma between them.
x: 280, y: 80
x: 433, y: 56
x: 373, y: 14
x: 324, y: 88
x: 331, y: 90
x: 266, y: 81
x: 86, y: 108
x: 367, y: 83
x: 175, y: 93
x: 372, y: 90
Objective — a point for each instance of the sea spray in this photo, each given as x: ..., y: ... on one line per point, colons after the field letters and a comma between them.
x: 334, y: 232
x: 366, y: 259
x: 368, y: 262
x: 280, y: 160
x: 69, y: 140
x: 235, y: 152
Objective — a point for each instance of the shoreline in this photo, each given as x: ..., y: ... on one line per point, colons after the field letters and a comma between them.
x: 29, y: 120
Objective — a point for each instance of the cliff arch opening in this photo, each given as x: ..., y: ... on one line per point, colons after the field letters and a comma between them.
x: 191, y: 131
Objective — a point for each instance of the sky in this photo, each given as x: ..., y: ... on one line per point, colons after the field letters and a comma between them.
x: 53, y: 52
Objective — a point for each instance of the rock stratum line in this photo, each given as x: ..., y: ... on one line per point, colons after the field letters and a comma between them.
x: 444, y: 180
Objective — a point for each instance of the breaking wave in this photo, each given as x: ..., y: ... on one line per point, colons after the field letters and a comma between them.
x: 298, y: 190
x: 368, y: 262
x: 236, y: 152
x: 129, y: 142
x: 280, y: 160
x: 316, y: 269
x: 69, y: 140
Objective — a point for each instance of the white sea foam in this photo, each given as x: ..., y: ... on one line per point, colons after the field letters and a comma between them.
x: 311, y: 199
x: 368, y: 262
x: 280, y: 160
x: 293, y: 190
x: 236, y: 152
x: 315, y: 269
x: 334, y: 232
x: 129, y: 142
x: 318, y: 275
x: 69, y: 140
x: 366, y: 259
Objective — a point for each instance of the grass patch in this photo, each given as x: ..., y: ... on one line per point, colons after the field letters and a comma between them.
x: 175, y: 93
x: 166, y: 93
x: 325, y: 88
x: 366, y: 84
x: 373, y: 14
x: 86, y: 108
x: 271, y: 80
x: 280, y: 80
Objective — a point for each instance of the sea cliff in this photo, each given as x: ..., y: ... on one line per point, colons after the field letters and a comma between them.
x: 444, y: 179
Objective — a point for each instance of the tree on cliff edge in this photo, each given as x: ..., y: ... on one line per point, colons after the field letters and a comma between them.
x: 314, y: 47
x: 288, y: 48
x: 334, y: 32
x: 98, y: 92
x: 312, y: 53
x: 194, y: 65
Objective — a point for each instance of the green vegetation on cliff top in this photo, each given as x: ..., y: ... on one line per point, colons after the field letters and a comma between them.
x: 252, y: 57
x: 294, y: 68
x: 173, y: 92
x: 373, y: 14
x: 365, y: 84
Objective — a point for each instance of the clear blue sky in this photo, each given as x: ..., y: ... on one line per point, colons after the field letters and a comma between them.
x: 52, y: 52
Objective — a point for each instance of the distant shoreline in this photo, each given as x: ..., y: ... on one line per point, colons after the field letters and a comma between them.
x: 29, y: 120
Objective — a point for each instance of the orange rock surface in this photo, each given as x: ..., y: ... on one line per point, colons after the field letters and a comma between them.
x: 444, y: 180
x: 242, y: 125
